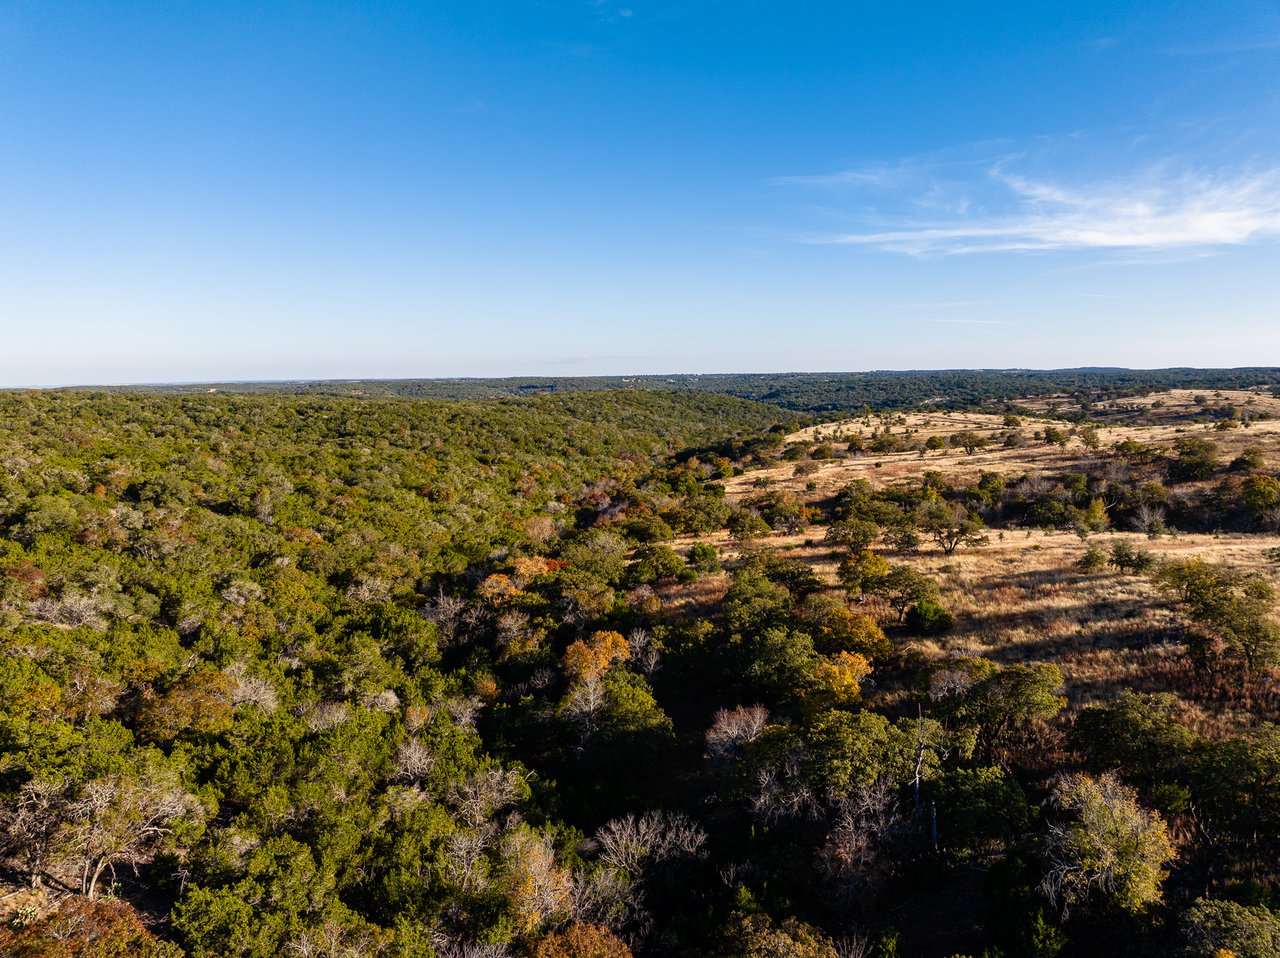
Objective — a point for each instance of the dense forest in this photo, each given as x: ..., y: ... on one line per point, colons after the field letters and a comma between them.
x: 638, y: 672
x: 799, y: 392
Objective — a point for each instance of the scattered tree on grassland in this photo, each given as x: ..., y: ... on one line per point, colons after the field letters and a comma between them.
x: 950, y: 526
x: 902, y: 587
x: 856, y: 535
x: 1125, y: 558
x: 1261, y: 494
x: 969, y: 441
x: 1236, y: 613
x: 863, y: 572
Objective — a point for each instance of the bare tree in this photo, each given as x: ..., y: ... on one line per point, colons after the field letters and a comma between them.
x: 732, y: 729
x: 783, y: 791
x: 447, y: 946
x: 462, y: 709
x: 1117, y: 472
x: 949, y: 683
x: 413, y: 762
x: 326, y: 715
x: 856, y: 944
x: 538, y: 890
x: 332, y: 940
x: 479, y: 796
x: 30, y: 824
x: 604, y: 896
x: 448, y: 612
x: 630, y: 842
x: 72, y: 609
x: 581, y: 706
x: 464, y: 860
x: 1149, y: 518
x: 251, y: 689
x: 854, y: 853
x: 514, y: 628
x: 644, y: 651
x: 121, y: 820
x: 1032, y: 487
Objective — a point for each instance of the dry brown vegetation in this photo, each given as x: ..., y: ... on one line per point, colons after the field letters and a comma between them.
x: 1021, y: 598
x: 1170, y: 423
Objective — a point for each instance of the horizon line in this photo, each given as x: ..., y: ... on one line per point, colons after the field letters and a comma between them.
x: 357, y: 380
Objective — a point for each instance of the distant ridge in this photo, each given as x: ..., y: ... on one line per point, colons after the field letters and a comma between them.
x: 813, y: 392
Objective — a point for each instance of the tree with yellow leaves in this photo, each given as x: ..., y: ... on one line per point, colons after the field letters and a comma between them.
x: 839, y: 680
x: 537, y: 888
x: 1108, y: 846
x: 587, y: 661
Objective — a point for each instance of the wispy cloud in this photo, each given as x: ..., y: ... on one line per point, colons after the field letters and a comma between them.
x: 1158, y: 211
x: 881, y: 175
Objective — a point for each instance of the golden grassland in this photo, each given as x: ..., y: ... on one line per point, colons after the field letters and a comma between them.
x: 1021, y: 599
x: 1034, y: 457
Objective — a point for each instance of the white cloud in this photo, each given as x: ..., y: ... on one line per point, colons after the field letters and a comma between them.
x: 1159, y: 211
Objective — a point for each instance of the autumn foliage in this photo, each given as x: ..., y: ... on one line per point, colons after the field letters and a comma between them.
x: 86, y: 929
x: 582, y: 940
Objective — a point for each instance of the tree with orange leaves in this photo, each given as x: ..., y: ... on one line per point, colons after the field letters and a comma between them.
x: 587, y: 661
x: 582, y: 940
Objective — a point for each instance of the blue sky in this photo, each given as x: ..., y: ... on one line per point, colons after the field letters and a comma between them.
x: 200, y: 191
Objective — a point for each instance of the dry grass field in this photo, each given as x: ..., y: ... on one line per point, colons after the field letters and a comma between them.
x: 1021, y: 598
x: 1172, y: 421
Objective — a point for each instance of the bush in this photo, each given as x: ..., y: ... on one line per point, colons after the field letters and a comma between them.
x: 654, y: 563
x: 1196, y: 459
x: 1249, y: 460
x: 1093, y: 560
x: 648, y: 529
x: 1125, y: 558
x: 88, y: 929
x: 703, y: 557
x: 926, y: 617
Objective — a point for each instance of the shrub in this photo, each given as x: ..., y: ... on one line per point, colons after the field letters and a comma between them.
x: 89, y: 929
x: 703, y: 557
x: 927, y: 617
x: 1093, y: 560
x: 1249, y: 460
x: 1125, y: 558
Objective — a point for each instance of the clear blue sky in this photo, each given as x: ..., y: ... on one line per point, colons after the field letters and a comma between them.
x: 224, y: 190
